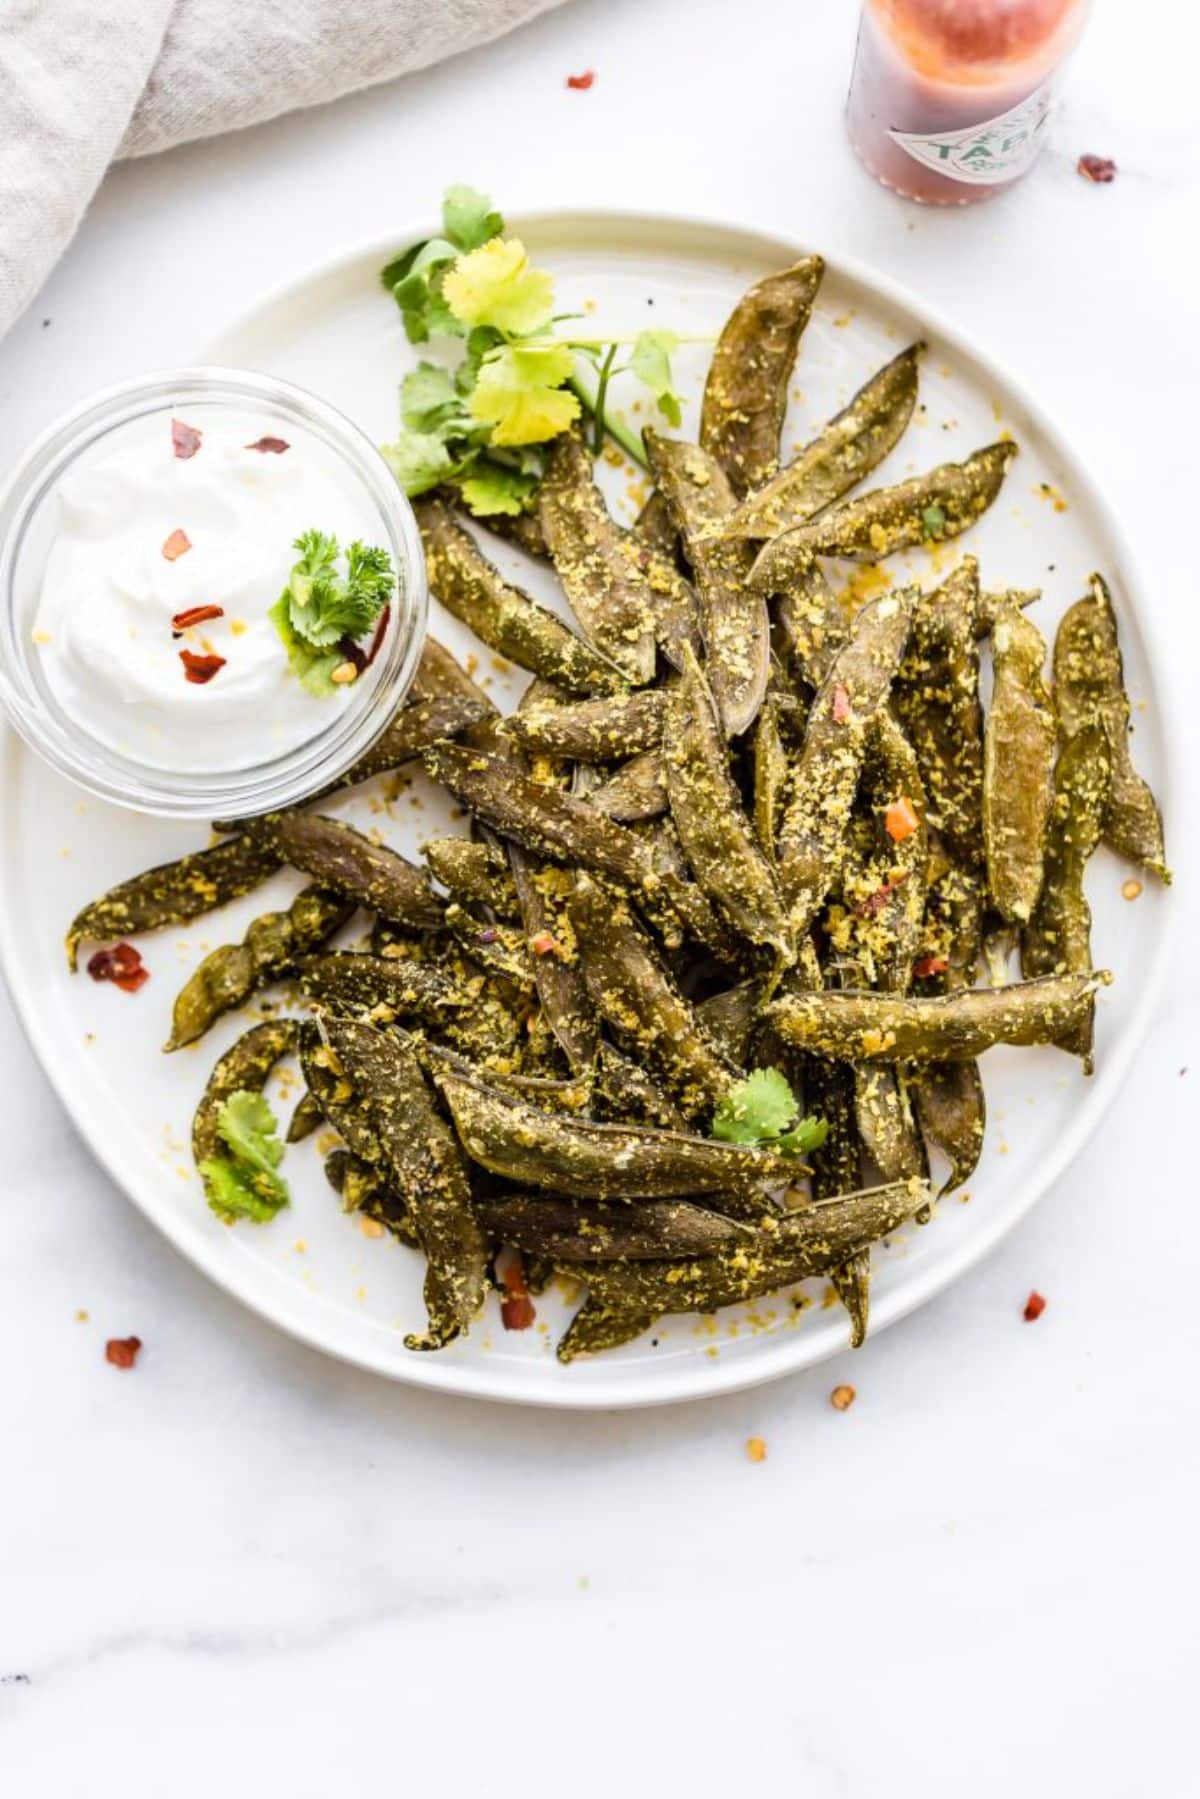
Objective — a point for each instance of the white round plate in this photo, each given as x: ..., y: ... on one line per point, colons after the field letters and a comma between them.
x: 313, y: 1271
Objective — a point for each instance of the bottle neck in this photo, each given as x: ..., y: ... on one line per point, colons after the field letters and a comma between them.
x: 977, y: 43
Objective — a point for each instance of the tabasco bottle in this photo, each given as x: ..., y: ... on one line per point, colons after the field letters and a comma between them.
x: 949, y: 98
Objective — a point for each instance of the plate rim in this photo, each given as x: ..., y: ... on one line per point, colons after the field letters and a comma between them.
x: 701, y: 1377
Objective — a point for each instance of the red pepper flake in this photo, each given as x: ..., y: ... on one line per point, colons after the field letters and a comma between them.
x: 200, y: 668
x: 380, y: 633
x: 270, y: 446
x: 122, y: 965
x: 1097, y: 168
x: 355, y: 654
x: 581, y: 83
x: 196, y: 615
x: 1035, y: 1305
x: 841, y: 705
x: 122, y: 1352
x: 185, y: 439
x: 925, y: 966
x: 900, y: 820
x: 545, y: 943
x: 177, y: 545
x: 516, y: 1308
x: 875, y: 902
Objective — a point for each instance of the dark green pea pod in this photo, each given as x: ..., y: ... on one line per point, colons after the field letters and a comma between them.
x: 244, y: 1068
x: 843, y: 453
x: 952, y: 931
x: 829, y: 1092
x: 605, y: 1161
x: 713, y: 828
x: 334, y: 1094
x: 952, y: 1112
x: 883, y: 1027
x: 812, y: 837
x: 928, y: 509
x: 568, y: 1230
x: 498, y: 949
x: 503, y: 617
x: 271, y: 948
x: 654, y: 529
x: 730, y: 1018
x: 811, y: 1240
x: 1018, y: 767
x: 893, y: 789
x: 421, y: 1156
x: 363, y: 1188
x: 989, y: 603
x: 544, y: 901
x: 411, y: 729
x: 771, y: 770
x: 388, y: 987
x: 675, y: 616
x: 475, y: 874
x: 812, y: 625
x: 595, y: 1328
x: 852, y: 1284
x: 602, y: 730
x: 636, y: 793
x: 1057, y: 938
x: 623, y: 1093
x: 342, y: 859
x: 936, y: 698
x: 522, y: 528
x: 439, y: 676
x: 596, y: 563
x: 745, y: 396
x: 306, y: 1118
x: 175, y: 892
x: 733, y: 619
x: 886, y: 1125
x: 1089, y: 684
x: 632, y: 993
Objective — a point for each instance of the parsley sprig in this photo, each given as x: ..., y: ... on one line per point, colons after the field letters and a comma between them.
x: 521, y: 382
x: 762, y: 1109
x: 323, y: 609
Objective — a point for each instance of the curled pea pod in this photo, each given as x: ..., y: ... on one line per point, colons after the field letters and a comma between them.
x: 842, y: 454
x: 269, y: 950
x: 1017, y: 768
x: 342, y: 859
x: 811, y: 1240
x: 422, y: 1158
x: 601, y: 575
x: 605, y: 1161
x: 1089, y: 685
x: 733, y: 619
x: 175, y: 892
x: 506, y: 619
x: 952, y: 1112
x: 928, y: 509
x: 812, y: 837
x: 244, y: 1068
x: 632, y: 993
x: 1057, y: 938
x: 745, y: 396
x: 306, y: 1118
x: 393, y: 987
x: 569, y: 1230
x: 713, y: 828
x: 936, y: 698
x: 883, y: 1027
x: 474, y: 873
x: 544, y: 896
x: 601, y: 730
x: 364, y: 1188
x: 636, y: 793
x: 623, y: 1093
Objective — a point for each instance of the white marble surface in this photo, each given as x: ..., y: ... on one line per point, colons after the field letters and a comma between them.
x: 242, y: 1565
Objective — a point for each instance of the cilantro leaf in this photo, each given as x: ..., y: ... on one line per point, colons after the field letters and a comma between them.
x: 246, y: 1184
x: 494, y: 285
x: 492, y: 487
x: 762, y: 1109
x: 467, y: 217
x: 247, y: 1126
x: 419, y: 460
x: 429, y: 396
x: 313, y: 668
x: 650, y: 361
x: 520, y: 393
x: 414, y: 280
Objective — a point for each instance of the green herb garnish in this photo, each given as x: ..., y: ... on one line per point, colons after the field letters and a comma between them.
x: 762, y: 1109
x: 933, y: 518
x: 323, y: 610
x: 245, y: 1183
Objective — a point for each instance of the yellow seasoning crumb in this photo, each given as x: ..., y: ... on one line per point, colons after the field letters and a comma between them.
x: 1130, y: 889
x: 370, y: 1227
x: 842, y: 1398
x: 299, y: 1246
x: 756, y: 1449
x: 81, y: 1317
x: 842, y: 321
x: 361, y: 1293
x: 1047, y: 492
x: 40, y: 636
x: 237, y: 627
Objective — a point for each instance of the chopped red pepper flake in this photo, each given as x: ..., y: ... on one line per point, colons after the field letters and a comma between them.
x: 270, y: 446
x: 900, y: 820
x: 122, y: 1352
x: 925, y: 966
x: 841, y: 705
x: 516, y: 1308
x: 1035, y: 1305
x: 1097, y: 168
x: 545, y: 943
x: 200, y: 668
x: 177, y: 545
x: 581, y: 82
x: 380, y: 633
x: 875, y: 902
x: 196, y: 615
x: 185, y: 439
x: 122, y: 965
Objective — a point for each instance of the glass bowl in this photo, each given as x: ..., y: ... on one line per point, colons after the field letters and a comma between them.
x: 28, y: 512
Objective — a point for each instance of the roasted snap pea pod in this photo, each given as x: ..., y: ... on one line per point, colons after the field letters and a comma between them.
x: 333, y: 1093
x: 499, y: 949
x: 812, y: 837
x: 603, y: 730
x: 364, y: 1188
x: 439, y: 676
x: 716, y: 835
x: 745, y: 397
x: 544, y: 895
x: 271, y: 949
x: 893, y: 789
x: 596, y: 563
x: 306, y: 1118
x: 595, y: 1328
x: 474, y: 873
x: 730, y: 1017
x: 175, y: 892
x: 928, y: 509
x: 412, y: 729
x: 387, y: 986
x: 733, y: 619
x: 245, y: 1067
x: 675, y: 617
x: 936, y: 698
x: 1018, y: 767
x: 506, y: 619
x: 522, y: 528
x: 811, y: 1240
x: 421, y: 1155
x: 631, y: 991
x: 636, y: 793
x: 1089, y: 684
x: 951, y: 1110
x: 1057, y: 938
x: 569, y: 1230
x: 990, y: 603
x: 605, y: 1161
x: 883, y: 1027
x: 342, y: 859
x: 886, y: 1127
x: 812, y: 624
x: 771, y: 769
x: 623, y: 1093
x: 842, y: 454
x: 654, y: 528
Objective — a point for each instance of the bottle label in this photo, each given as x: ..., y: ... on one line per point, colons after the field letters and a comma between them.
x: 983, y: 155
